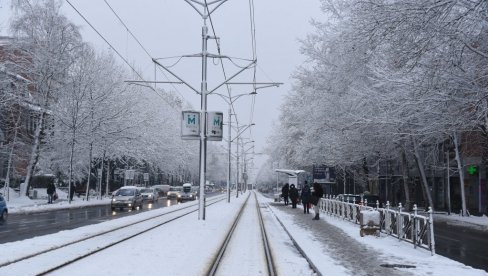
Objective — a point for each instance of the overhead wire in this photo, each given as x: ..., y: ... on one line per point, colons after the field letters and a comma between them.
x: 117, y: 52
x: 254, y: 54
x: 140, y: 44
x: 221, y: 63
x: 106, y: 41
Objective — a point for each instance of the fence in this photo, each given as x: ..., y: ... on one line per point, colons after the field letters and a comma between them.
x: 405, y: 226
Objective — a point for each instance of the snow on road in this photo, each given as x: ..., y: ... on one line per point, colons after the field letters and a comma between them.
x: 186, y: 247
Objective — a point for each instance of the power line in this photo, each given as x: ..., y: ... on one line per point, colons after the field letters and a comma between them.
x: 117, y: 52
x: 106, y: 41
x: 140, y: 44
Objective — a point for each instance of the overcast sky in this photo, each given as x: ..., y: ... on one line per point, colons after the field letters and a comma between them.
x: 169, y: 28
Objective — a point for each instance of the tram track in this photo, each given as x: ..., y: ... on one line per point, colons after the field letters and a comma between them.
x: 86, y: 243
x: 222, y: 256
x: 314, y: 268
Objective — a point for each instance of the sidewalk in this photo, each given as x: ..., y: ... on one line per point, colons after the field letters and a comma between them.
x: 333, y: 245
x: 23, y: 205
x: 336, y: 248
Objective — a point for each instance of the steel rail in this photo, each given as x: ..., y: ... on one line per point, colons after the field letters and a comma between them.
x: 271, y: 268
x: 52, y: 249
x: 297, y: 246
x: 264, y: 235
x: 215, y: 264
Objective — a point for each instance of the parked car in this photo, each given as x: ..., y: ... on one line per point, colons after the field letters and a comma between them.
x: 161, y: 189
x: 371, y: 199
x: 356, y: 199
x: 127, y: 197
x: 175, y: 192
x: 3, y: 209
x: 149, y: 194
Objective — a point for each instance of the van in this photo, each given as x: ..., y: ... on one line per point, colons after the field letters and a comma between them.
x: 161, y: 189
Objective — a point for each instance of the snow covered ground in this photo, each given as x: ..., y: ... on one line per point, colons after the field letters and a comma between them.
x: 185, y: 247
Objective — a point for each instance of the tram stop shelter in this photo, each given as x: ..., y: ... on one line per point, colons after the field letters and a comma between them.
x: 292, y: 179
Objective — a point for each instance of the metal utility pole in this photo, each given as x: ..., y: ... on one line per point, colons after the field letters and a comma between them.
x: 229, y: 154
x: 203, y: 119
x: 237, y: 168
x: 204, y: 91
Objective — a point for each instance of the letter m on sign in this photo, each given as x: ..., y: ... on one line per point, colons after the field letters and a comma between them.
x: 191, y: 120
x: 216, y: 121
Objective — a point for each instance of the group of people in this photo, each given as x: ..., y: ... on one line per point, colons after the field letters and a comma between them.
x: 306, y: 195
x: 52, y: 195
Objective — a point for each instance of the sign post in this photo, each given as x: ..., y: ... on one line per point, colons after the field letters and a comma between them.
x: 146, y: 178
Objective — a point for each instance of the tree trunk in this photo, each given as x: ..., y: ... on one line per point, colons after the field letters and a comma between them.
x: 420, y: 165
x: 34, y: 158
x: 464, y: 211
x: 10, y: 157
x: 89, y: 171
x: 107, y: 179
x: 405, y: 179
x: 100, y: 176
x: 71, y: 156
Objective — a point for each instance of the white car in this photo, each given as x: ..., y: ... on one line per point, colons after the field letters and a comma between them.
x: 149, y: 194
x: 175, y: 192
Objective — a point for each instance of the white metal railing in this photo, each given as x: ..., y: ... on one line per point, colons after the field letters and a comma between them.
x: 405, y: 226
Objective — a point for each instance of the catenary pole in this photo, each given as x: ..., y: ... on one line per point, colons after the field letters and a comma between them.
x: 229, y: 154
x: 203, y: 120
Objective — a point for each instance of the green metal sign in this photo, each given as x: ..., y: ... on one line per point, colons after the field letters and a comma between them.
x: 472, y: 169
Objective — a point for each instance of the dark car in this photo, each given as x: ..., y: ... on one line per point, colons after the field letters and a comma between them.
x: 371, y: 200
x: 356, y: 199
x: 3, y: 209
x: 127, y: 197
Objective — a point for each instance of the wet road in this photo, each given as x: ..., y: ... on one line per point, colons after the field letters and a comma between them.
x: 465, y: 245
x: 25, y: 226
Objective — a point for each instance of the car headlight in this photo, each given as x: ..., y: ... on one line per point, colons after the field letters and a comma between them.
x: 179, y: 195
x: 113, y: 200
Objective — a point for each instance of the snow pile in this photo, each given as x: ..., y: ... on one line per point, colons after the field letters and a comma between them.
x: 369, y: 218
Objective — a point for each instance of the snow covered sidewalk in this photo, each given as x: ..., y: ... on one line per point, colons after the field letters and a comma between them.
x: 336, y: 248
x: 187, y: 245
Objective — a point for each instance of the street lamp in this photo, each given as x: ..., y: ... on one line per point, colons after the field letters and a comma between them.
x: 244, y: 152
x: 230, y: 101
x: 240, y: 130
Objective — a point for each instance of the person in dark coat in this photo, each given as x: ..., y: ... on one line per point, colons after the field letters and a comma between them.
x: 72, y: 191
x: 51, y: 189
x: 293, y: 196
x: 305, y: 195
x: 316, y: 196
x: 284, y: 193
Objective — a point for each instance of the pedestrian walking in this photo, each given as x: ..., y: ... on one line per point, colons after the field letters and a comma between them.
x: 72, y: 191
x: 293, y: 196
x: 51, y: 190
x: 284, y: 193
x: 305, y: 194
x: 316, y: 195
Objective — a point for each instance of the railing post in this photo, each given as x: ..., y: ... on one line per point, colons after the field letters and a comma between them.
x: 414, y: 226
x: 387, y: 218
x: 400, y: 222
x: 377, y: 204
x: 431, y: 232
x: 354, y: 213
